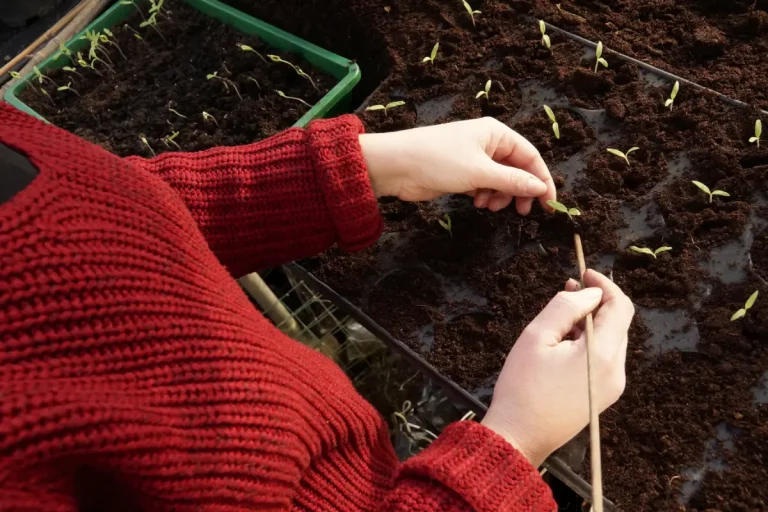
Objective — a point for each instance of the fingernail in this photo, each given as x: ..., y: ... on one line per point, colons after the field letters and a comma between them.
x: 535, y: 187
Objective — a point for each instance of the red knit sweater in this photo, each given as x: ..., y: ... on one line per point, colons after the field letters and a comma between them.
x: 135, y: 374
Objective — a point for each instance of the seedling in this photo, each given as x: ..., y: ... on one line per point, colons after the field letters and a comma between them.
x: 107, y: 37
x: 143, y: 140
x: 152, y: 22
x: 555, y: 125
x: 758, y: 133
x: 297, y: 69
x: 246, y: 48
x: 447, y: 224
x: 599, y: 56
x: 471, y: 11
x: 45, y: 93
x: 67, y: 88
x: 130, y: 2
x: 544, y: 37
x: 251, y: 79
x: 432, y: 54
x: 15, y: 75
x: 63, y: 50
x: 625, y: 156
x: 40, y: 77
x: 95, y: 40
x: 485, y: 91
x: 155, y: 7
x: 209, y: 117
x: 560, y: 207
x: 226, y: 81
x: 645, y: 250
x: 710, y: 193
x: 171, y: 139
x: 743, y: 311
x: 70, y: 69
x: 385, y: 108
x: 294, y: 98
x: 135, y: 32
x: 671, y: 100
x: 177, y: 112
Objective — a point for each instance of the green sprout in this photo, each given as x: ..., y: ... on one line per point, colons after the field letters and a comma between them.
x: 209, y: 117
x: 645, y: 250
x: 599, y: 56
x: 155, y: 7
x: 95, y: 39
x: 45, y: 93
x: 40, y: 77
x: 246, y: 48
x: 555, y: 125
x: 385, y: 108
x: 560, y: 207
x: 143, y: 140
x: 177, y: 112
x: 544, y: 37
x: 625, y: 156
x: 171, y: 139
x: 294, y: 98
x: 710, y: 193
x: 743, y: 311
x: 758, y: 133
x: 131, y: 2
x: 67, y: 88
x: 15, y: 75
x: 63, y: 50
x: 485, y: 91
x: 446, y: 224
x: 152, y: 22
x: 135, y: 32
x: 107, y: 38
x: 432, y: 55
x: 471, y: 11
x: 297, y: 69
x: 671, y: 100
x: 70, y: 69
x: 251, y: 79
x: 226, y: 81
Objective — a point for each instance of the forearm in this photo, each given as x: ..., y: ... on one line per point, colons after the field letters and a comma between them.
x: 285, y: 198
x: 469, y: 467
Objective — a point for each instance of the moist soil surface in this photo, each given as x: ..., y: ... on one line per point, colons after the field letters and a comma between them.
x: 690, y: 430
x: 168, y: 70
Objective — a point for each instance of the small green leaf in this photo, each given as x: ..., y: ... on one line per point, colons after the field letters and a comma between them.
x: 668, y: 102
x: 481, y: 93
x: 434, y: 51
x: 487, y: 87
x: 556, y: 129
x: 245, y: 47
x: 753, y: 139
x: 603, y: 62
x: 557, y: 206
x: 616, y: 152
x: 631, y: 150
x: 209, y: 76
x: 69, y: 68
x: 426, y: 59
x: 274, y: 58
x: 751, y: 300
x: 675, y: 90
x: 642, y: 250
x: 15, y: 74
x: 143, y: 24
x: 376, y: 107
x: 661, y: 249
x: 758, y: 128
x: 394, y: 104
x: 550, y: 113
x: 599, y: 50
x: 282, y: 94
x: 739, y: 314
x: 574, y: 212
x: 702, y: 186
x: 721, y: 193
x: 137, y: 36
x: 547, y: 42
x: 108, y: 32
x: 542, y: 27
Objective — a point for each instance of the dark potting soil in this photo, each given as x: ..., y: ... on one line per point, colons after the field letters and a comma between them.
x: 116, y: 109
x: 718, y: 44
x: 462, y: 298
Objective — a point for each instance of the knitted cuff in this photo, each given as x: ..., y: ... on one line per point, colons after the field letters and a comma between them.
x: 483, y: 468
x: 343, y: 176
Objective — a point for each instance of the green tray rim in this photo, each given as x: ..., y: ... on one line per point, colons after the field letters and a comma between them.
x: 346, y: 71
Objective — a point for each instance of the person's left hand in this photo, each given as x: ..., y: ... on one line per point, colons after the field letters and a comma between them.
x: 481, y: 157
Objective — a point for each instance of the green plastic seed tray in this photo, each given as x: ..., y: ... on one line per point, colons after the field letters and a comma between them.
x: 344, y: 70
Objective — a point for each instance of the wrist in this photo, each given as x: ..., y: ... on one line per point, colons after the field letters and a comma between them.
x: 381, y: 159
x: 516, y: 436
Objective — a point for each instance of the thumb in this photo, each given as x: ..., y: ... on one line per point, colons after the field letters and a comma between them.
x: 508, y: 180
x: 562, y: 313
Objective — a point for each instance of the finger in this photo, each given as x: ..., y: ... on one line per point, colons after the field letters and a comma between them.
x: 524, y: 205
x: 499, y: 201
x: 563, y: 313
x: 482, y: 197
x: 515, y: 150
x: 572, y: 285
x: 508, y: 180
x: 615, y: 315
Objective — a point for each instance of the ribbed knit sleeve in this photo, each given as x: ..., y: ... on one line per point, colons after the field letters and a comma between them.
x: 474, y: 466
x: 288, y: 197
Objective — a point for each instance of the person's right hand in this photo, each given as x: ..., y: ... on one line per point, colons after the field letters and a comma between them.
x: 541, y: 397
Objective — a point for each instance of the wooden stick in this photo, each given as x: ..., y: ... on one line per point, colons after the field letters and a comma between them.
x: 48, y: 34
x: 594, y: 412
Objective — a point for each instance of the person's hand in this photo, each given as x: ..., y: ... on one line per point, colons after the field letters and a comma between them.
x: 541, y: 398
x: 481, y: 157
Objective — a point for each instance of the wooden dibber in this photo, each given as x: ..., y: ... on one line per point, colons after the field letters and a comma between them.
x: 594, y: 412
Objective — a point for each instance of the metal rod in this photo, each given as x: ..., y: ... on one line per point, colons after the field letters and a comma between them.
x: 594, y: 412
